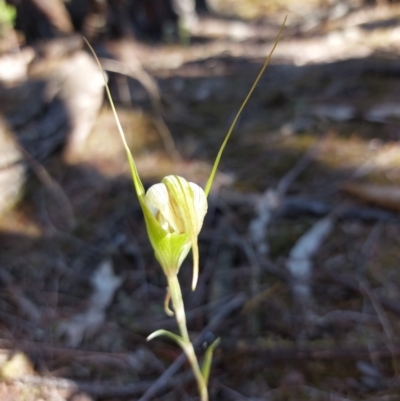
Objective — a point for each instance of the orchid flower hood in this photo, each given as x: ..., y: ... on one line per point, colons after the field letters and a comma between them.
x: 174, y: 212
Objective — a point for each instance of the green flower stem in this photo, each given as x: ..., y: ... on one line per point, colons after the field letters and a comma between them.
x: 179, y: 309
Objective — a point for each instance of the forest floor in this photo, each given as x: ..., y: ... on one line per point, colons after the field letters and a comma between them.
x: 299, y: 251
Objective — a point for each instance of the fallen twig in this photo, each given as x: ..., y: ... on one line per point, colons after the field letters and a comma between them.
x: 387, y: 327
x: 271, y: 200
x: 307, y: 352
x: 352, y: 283
x: 300, y: 264
x: 97, y: 389
x: 345, y: 280
x: 293, y: 207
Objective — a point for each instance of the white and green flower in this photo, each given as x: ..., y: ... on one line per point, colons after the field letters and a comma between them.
x: 174, y: 211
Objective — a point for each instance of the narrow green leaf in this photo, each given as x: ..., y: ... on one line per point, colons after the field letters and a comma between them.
x: 205, y: 369
x: 172, y: 336
x: 228, y: 135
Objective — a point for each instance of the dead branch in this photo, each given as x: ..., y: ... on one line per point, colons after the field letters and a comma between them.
x: 387, y: 327
x: 293, y: 207
x: 346, y: 280
x: 352, y: 283
x: 103, y: 390
x: 271, y: 200
x: 306, y: 353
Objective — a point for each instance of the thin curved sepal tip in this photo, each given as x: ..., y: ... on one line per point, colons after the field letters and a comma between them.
x: 210, y: 181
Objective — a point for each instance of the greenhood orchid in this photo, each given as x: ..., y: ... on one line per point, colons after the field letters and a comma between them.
x: 174, y: 212
x: 174, y: 209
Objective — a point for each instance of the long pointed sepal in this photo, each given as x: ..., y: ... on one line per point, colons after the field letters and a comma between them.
x: 210, y: 181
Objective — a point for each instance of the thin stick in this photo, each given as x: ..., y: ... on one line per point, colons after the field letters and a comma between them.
x: 387, y: 327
